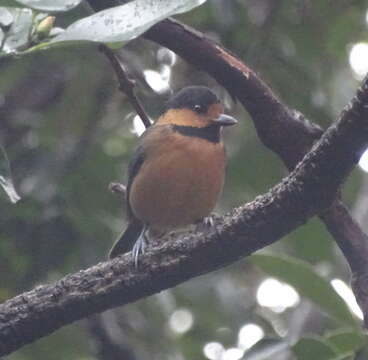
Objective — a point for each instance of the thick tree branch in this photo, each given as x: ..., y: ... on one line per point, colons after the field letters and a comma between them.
x: 309, y: 189
x: 286, y: 132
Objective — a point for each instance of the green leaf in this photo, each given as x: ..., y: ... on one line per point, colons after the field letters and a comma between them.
x: 125, y: 22
x: 349, y: 356
x: 308, y: 283
x: 345, y: 357
x: 43, y: 5
x: 6, y: 181
x: 9, y: 3
x: 347, y: 340
x: 18, y: 35
x: 6, y: 17
x: 314, y: 348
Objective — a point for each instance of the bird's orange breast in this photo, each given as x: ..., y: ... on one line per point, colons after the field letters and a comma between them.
x: 179, y: 181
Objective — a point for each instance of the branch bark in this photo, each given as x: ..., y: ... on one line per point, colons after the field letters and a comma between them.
x: 310, y: 188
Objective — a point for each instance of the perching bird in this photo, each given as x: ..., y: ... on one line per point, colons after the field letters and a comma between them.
x: 177, y: 171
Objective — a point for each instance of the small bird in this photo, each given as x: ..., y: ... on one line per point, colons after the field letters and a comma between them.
x: 177, y: 171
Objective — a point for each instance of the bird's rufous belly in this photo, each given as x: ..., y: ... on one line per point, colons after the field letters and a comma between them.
x: 179, y: 187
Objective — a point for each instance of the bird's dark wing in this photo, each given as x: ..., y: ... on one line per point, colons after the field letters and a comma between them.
x: 149, y: 139
x: 135, y: 164
x: 127, y: 238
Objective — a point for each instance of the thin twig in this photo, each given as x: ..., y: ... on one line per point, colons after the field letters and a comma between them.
x: 126, y: 85
x: 117, y: 188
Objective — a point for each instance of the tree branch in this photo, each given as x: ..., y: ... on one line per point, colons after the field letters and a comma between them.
x: 309, y: 189
x: 354, y: 244
x: 286, y: 132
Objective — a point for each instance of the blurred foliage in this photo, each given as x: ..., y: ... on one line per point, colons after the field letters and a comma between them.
x: 68, y: 132
x: 307, y: 282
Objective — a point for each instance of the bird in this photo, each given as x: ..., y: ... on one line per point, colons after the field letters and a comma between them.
x: 177, y: 171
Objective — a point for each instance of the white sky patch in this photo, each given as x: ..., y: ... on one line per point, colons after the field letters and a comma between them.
x: 276, y: 295
x: 166, y: 56
x: 249, y: 334
x: 181, y: 321
x: 346, y: 293
x: 138, y: 126
x: 363, y: 162
x: 213, y: 351
x: 232, y: 354
x: 156, y: 81
x: 358, y: 59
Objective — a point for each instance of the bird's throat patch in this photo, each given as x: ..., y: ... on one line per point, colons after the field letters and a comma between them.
x: 210, y: 133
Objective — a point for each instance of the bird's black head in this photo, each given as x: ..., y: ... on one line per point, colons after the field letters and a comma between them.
x: 195, y: 98
x: 196, y: 107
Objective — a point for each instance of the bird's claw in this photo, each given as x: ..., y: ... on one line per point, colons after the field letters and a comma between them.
x: 205, y: 223
x: 208, y: 221
x: 139, y: 247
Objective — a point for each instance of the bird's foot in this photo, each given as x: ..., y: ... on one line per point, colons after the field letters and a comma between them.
x: 205, y: 223
x: 208, y: 221
x: 140, y: 247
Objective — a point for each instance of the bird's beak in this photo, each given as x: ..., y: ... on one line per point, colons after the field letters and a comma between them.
x: 225, y: 120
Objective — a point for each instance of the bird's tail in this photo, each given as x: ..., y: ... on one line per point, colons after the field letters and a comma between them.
x: 126, y: 240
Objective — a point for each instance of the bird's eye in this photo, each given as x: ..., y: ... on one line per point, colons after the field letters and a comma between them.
x: 198, y: 108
